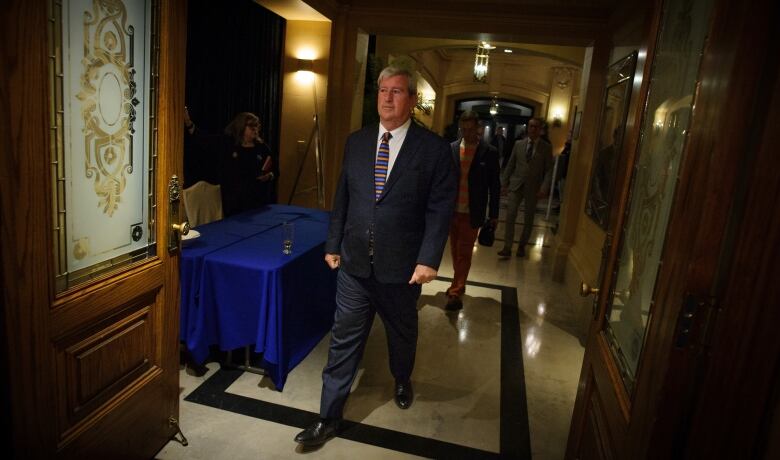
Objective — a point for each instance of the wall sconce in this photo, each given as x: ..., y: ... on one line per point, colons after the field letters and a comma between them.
x: 305, y: 65
x: 481, y: 61
x: 424, y: 105
x: 304, y: 72
x: 557, y: 118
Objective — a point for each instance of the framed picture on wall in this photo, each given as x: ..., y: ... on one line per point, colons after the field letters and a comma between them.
x: 612, y: 125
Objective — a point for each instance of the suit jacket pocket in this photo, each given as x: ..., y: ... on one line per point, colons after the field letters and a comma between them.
x: 408, y: 186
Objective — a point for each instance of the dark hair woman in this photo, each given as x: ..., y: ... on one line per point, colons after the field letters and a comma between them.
x: 249, y: 169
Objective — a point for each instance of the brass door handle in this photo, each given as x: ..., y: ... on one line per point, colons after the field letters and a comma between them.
x: 182, y: 228
x: 586, y: 290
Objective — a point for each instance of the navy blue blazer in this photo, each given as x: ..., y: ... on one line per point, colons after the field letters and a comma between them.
x: 409, y: 223
x: 484, y: 182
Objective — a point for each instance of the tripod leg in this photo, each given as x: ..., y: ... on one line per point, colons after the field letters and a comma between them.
x: 303, y: 163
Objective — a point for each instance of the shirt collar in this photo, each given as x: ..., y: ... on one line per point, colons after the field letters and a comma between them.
x: 401, y: 130
x: 463, y: 144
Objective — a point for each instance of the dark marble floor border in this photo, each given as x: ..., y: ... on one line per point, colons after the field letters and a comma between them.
x: 514, y: 436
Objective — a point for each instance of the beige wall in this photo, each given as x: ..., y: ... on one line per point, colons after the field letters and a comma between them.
x: 579, y: 240
x: 308, y: 40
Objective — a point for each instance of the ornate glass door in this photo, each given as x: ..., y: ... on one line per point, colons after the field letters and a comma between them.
x: 617, y: 400
x: 662, y: 143
x: 103, y: 120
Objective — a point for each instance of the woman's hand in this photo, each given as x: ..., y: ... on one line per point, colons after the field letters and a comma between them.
x: 265, y: 177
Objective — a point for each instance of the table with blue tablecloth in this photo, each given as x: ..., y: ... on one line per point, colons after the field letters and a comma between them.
x: 239, y: 289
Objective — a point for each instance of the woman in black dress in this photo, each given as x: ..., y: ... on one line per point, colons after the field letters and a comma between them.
x: 248, y: 168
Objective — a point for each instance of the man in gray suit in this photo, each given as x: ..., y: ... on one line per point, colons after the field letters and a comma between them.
x: 387, y: 233
x: 523, y: 178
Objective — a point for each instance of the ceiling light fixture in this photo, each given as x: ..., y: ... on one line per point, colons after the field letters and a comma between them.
x: 494, y: 107
x: 481, y: 61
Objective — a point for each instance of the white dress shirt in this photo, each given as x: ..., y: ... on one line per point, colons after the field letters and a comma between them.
x: 396, y: 141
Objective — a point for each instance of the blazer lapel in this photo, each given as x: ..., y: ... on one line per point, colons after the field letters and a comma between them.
x: 480, y: 153
x: 368, y: 161
x: 404, y: 157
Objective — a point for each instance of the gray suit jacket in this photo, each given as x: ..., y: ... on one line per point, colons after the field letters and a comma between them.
x: 409, y: 224
x: 519, y: 173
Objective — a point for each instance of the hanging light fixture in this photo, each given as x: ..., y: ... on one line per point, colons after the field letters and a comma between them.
x: 481, y: 61
x: 494, y: 107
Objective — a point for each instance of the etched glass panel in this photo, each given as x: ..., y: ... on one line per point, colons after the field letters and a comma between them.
x: 661, y: 147
x: 103, y: 135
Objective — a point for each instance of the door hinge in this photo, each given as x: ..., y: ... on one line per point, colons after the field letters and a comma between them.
x: 175, y: 423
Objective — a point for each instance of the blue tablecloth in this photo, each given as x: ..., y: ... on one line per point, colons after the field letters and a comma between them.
x: 238, y: 289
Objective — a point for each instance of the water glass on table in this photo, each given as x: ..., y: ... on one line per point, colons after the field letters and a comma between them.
x: 288, y: 232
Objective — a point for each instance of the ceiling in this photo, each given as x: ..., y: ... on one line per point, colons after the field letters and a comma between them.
x: 451, y: 49
x: 293, y: 10
x: 298, y: 10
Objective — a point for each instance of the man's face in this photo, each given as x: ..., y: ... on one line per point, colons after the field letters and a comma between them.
x: 394, y: 103
x: 534, y: 129
x: 470, y: 131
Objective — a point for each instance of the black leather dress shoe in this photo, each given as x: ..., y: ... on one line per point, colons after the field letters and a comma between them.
x: 521, y: 251
x: 454, y: 304
x: 318, y: 433
x: 404, y: 395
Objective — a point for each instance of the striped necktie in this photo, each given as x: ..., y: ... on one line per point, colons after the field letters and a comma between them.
x: 382, y: 162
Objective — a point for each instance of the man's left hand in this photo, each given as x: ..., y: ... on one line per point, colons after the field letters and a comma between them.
x: 422, y: 274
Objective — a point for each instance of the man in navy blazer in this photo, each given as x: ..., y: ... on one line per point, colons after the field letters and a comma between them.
x: 388, y: 229
x: 479, y: 184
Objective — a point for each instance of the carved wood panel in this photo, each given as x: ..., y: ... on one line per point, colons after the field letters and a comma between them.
x: 104, y: 363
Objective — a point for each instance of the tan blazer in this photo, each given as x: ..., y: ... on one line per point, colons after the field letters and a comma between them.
x: 519, y: 173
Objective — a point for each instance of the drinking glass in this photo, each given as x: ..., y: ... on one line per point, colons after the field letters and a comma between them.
x: 288, y: 231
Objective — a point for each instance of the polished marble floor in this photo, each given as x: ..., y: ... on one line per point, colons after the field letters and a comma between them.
x: 495, y: 380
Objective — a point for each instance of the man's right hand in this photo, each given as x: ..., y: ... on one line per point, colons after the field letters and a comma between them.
x: 504, y: 191
x: 333, y: 260
x: 188, y: 121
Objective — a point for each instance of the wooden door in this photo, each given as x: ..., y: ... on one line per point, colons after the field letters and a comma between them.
x: 90, y: 325
x: 680, y: 200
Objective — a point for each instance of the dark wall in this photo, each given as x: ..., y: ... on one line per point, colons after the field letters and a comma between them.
x: 234, y: 61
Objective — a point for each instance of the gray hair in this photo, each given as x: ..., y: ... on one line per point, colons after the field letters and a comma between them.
x: 391, y: 71
x: 469, y: 115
